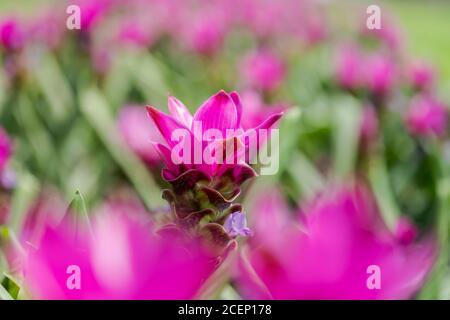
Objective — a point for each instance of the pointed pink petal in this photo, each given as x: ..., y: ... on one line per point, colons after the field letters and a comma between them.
x: 165, y: 154
x: 218, y: 112
x: 237, y: 101
x: 265, y: 125
x: 165, y: 123
x: 180, y: 112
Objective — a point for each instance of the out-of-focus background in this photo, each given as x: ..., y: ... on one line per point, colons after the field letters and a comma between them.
x: 360, y: 104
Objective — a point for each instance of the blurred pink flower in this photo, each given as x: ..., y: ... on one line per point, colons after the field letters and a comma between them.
x: 406, y: 232
x: 205, y: 36
x: 92, y: 11
x: 380, y: 73
x: 263, y: 70
x: 349, y: 67
x: 255, y: 111
x: 201, y: 25
x: 282, y: 19
x: 136, y: 33
x: 45, y: 29
x: 421, y: 76
x: 426, y: 116
x: 328, y: 255
x: 221, y: 113
x: 123, y: 259
x: 134, y: 127
x: 5, y: 149
x: 12, y: 34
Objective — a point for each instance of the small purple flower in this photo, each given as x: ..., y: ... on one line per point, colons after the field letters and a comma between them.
x: 236, y: 225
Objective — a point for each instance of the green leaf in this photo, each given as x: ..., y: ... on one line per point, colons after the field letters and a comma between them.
x: 346, y: 135
x: 289, y: 134
x: 149, y: 77
x: 24, y: 194
x: 41, y: 142
x: 4, y: 294
x: 77, y: 212
x: 307, y: 178
x: 53, y: 84
x: 97, y: 112
x: 379, y: 180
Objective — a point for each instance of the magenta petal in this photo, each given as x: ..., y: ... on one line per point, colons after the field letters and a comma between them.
x: 166, y: 155
x: 180, y: 112
x: 237, y: 101
x: 265, y: 125
x: 165, y: 123
x: 5, y: 149
x: 269, y: 122
x: 218, y: 112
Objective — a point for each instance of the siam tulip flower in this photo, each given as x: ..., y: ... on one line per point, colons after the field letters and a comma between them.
x: 332, y: 253
x: 122, y: 259
x: 282, y: 19
x: 263, y: 70
x: 426, y: 116
x: 406, y: 232
x: 221, y: 112
x: 136, y: 34
x: 133, y: 125
x: 92, y: 11
x: 380, y: 73
x: 263, y: 17
x: 203, y: 192
x: 12, y: 34
x: 205, y: 34
x: 349, y: 67
x: 421, y: 76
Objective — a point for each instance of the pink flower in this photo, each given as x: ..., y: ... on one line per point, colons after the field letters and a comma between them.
x: 421, y: 76
x: 123, y: 259
x: 12, y: 35
x: 380, y: 73
x: 406, y: 232
x: 5, y: 149
x: 202, y: 26
x: 349, y: 67
x: 136, y: 33
x: 426, y: 116
x: 220, y: 115
x: 45, y: 29
x: 92, y: 11
x: 333, y: 253
x: 133, y: 125
x: 263, y: 70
